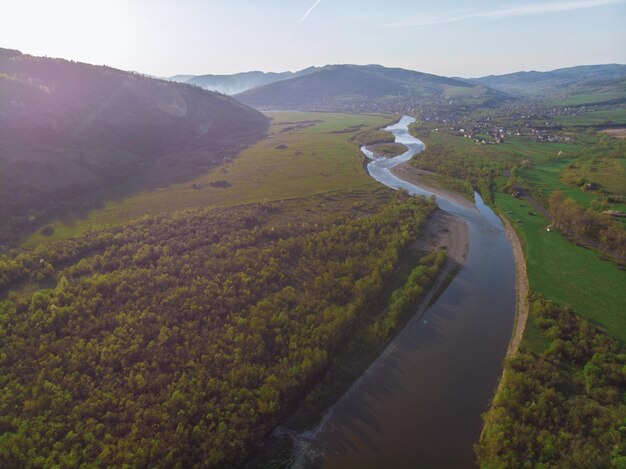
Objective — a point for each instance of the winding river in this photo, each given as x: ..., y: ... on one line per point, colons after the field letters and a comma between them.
x: 420, y: 403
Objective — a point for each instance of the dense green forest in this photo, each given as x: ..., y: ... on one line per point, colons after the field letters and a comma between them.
x: 561, y: 405
x: 182, y: 339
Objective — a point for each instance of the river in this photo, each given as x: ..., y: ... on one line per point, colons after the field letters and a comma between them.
x: 420, y: 403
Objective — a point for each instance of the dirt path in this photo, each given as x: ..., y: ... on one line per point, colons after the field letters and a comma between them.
x: 521, y: 287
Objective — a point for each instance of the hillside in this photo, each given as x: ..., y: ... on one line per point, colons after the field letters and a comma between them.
x: 366, y: 88
x: 70, y: 130
x: 600, y: 83
x: 179, y: 78
x: 240, y: 82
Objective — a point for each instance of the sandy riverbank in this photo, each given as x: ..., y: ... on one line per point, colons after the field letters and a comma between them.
x: 417, y: 176
x: 441, y: 231
x: 521, y: 288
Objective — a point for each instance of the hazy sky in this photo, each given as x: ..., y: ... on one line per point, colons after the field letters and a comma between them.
x: 448, y: 37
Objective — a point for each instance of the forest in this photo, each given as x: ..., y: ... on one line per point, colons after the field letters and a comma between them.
x: 562, y: 406
x: 182, y: 339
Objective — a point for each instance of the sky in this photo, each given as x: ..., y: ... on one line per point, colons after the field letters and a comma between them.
x: 445, y: 37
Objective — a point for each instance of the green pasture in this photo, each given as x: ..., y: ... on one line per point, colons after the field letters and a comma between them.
x: 568, y: 274
x: 304, y: 154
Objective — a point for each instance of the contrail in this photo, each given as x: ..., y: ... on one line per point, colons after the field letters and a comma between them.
x: 507, y: 12
x: 309, y: 11
x: 304, y: 17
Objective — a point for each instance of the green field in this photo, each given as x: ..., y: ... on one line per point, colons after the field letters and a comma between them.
x: 304, y: 154
x: 599, y: 97
x: 611, y: 116
x: 568, y: 274
x: 609, y: 173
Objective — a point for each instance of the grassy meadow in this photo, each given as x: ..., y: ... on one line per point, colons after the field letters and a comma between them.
x: 590, y: 98
x: 304, y: 154
x: 566, y: 273
x: 558, y: 269
x: 594, y: 118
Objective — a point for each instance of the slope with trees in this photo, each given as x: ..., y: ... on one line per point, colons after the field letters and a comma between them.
x: 361, y: 88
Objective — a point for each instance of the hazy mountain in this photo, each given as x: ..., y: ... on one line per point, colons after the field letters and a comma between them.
x: 179, y: 78
x: 365, y: 88
x: 68, y: 129
x: 239, y: 82
x: 605, y: 80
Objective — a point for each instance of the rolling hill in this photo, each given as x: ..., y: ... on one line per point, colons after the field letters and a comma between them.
x: 591, y: 83
x: 240, y: 82
x: 70, y: 130
x: 350, y: 88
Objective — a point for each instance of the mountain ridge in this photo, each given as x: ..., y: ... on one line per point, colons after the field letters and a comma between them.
x: 568, y: 81
x: 358, y: 88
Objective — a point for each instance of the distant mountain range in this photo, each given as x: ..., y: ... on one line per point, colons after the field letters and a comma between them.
x: 604, y: 80
x: 70, y: 129
x: 374, y: 87
x: 238, y: 82
x: 367, y: 88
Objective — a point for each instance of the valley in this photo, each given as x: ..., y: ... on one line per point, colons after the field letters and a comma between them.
x: 343, y: 266
x: 303, y: 154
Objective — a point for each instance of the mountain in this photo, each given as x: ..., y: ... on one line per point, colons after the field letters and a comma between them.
x: 605, y: 81
x: 366, y: 88
x: 68, y: 130
x: 179, y: 78
x: 240, y: 82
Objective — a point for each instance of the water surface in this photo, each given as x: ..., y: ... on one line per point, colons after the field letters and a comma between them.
x: 420, y: 403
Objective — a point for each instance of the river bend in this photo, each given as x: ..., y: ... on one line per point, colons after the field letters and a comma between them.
x: 420, y: 403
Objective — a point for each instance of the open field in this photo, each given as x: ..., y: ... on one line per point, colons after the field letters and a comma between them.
x: 609, y: 173
x: 592, y: 98
x: 617, y: 133
x: 304, y: 154
x: 605, y: 117
x: 568, y: 274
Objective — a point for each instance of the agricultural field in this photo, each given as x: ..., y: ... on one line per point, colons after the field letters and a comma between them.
x: 304, y: 154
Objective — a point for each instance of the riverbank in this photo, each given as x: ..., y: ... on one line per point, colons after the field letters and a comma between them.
x: 521, y: 288
x: 422, y: 406
x: 419, y: 178
x: 442, y: 231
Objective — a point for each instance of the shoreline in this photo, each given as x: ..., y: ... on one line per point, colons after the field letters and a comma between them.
x: 522, y: 306
x: 442, y: 230
x: 415, y: 176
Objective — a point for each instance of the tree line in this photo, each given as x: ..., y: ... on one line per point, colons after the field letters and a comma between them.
x: 563, y: 406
